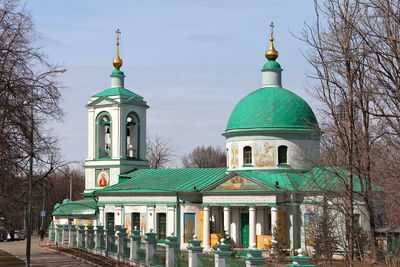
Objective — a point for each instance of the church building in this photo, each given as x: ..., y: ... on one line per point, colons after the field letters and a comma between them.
x: 270, y: 188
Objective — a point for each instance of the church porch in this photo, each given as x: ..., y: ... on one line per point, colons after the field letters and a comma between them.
x: 248, y: 224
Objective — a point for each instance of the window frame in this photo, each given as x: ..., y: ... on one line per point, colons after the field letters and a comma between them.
x: 285, y: 155
x: 135, y: 118
x: 247, y: 156
x: 99, y: 124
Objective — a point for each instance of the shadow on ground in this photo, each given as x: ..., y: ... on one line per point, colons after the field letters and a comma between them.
x: 7, y: 259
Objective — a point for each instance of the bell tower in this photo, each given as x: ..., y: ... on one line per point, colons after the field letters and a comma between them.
x: 116, y: 131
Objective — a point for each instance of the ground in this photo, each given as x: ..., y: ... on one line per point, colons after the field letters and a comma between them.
x: 13, y: 254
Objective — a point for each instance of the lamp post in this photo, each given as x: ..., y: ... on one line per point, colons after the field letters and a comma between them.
x: 30, y: 176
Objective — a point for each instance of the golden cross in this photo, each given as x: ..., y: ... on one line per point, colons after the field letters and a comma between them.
x: 118, y: 35
x: 272, y: 29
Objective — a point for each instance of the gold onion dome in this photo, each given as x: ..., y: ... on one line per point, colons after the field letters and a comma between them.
x: 271, y: 53
x: 117, y: 62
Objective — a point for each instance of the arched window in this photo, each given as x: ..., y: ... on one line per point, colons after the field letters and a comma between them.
x: 104, y: 135
x: 282, y: 155
x: 132, y: 136
x: 247, y: 155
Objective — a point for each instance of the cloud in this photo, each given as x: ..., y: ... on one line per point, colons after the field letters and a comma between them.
x: 208, y: 38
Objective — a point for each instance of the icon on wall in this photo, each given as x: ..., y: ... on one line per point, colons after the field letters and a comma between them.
x: 103, y: 178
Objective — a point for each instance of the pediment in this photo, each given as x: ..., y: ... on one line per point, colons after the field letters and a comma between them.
x: 238, y: 182
x: 102, y: 101
x: 133, y: 100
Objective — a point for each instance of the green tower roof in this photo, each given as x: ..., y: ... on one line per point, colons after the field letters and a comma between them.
x: 272, y: 108
x: 271, y: 64
x: 116, y: 91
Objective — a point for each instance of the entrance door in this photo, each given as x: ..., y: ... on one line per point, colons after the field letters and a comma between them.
x: 244, y: 228
x: 162, y: 225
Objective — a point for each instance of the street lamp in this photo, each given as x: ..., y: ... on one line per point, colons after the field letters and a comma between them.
x: 31, y: 152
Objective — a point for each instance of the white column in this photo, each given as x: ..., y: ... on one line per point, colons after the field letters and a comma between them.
x: 171, y: 220
x: 252, y: 226
x: 100, y: 220
x: 234, y: 224
x: 293, y: 232
x: 118, y: 215
x: 150, y: 218
x: 91, y: 134
x: 206, y: 228
x: 115, y: 133
x: 260, y: 215
x: 274, y: 220
x: 227, y: 220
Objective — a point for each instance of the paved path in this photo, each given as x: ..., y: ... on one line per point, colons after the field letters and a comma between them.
x: 40, y: 257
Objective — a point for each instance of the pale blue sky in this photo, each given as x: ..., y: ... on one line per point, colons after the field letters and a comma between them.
x: 192, y: 61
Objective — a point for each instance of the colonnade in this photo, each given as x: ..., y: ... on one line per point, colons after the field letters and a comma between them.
x: 256, y: 223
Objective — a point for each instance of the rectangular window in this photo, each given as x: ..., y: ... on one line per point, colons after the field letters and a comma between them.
x: 247, y: 155
x: 135, y: 219
x: 110, y: 219
x: 356, y: 219
x: 162, y: 225
x: 282, y: 155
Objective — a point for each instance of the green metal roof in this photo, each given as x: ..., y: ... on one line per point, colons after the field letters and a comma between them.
x: 193, y: 180
x: 117, y: 91
x: 84, y: 207
x: 271, y: 64
x: 317, y: 179
x: 272, y: 107
x: 167, y: 180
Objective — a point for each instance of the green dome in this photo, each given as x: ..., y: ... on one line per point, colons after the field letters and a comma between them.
x: 271, y: 64
x: 272, y: 107
x: 117, y: 73
x: 65, y: 201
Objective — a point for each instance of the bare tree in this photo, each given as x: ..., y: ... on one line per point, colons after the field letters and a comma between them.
x: 26, y: 84
x: 205, y: 157
x: 159, y: 153
x: 340, y: 63
x: 356, y: 57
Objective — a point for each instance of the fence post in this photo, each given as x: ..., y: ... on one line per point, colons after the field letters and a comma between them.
x: 300, y: 260
x: 151, y: 243
x: 254, y: 257
x: 58, y: 236
x: 89, y: 236
x: 223, y: 252
x: 121, y: 241
x: 81, y: 236
x: 51, y: 232
x: 194, y: 249
x: 99, y: 237
x: 65, y: 234
x: 135, y: 243
x: 110, y: 238
x: 71, y: 235
x: 172, y: 246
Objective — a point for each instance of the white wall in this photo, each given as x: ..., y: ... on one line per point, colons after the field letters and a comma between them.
x: 303, y: 151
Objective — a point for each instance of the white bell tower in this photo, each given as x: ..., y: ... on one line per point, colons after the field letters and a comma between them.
x: 116, y: 132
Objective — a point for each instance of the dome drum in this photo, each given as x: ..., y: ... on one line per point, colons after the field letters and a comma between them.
x: 266, y: 152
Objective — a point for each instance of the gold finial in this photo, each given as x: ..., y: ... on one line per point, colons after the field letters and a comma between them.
x: 117, y: 62
x: 271, y: 53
